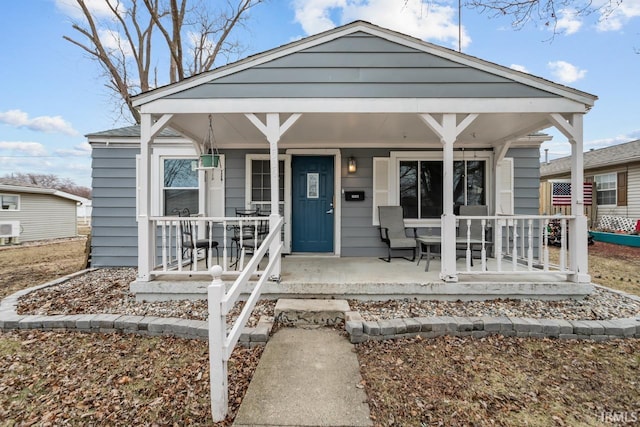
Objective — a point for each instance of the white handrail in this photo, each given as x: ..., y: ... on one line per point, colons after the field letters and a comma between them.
x: 221, y: 342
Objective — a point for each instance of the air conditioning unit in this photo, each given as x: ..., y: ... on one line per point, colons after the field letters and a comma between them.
x: 9, y: 229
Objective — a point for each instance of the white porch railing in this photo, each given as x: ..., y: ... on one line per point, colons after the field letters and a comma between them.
x: 173, y: 256
x: 221, y: 342
x: 520, y: 244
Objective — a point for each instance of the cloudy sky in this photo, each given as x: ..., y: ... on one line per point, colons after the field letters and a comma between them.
x: 52, y: 94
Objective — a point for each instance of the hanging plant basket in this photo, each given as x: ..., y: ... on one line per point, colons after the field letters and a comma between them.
x: 209, y: 160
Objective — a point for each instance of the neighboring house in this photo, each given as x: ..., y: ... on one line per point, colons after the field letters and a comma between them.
x: 34, y: 213
x: 426, y: 128
x: 615, y: 171
x: 84, y: 210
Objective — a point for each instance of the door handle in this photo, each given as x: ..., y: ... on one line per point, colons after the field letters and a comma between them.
x: 330, y: 211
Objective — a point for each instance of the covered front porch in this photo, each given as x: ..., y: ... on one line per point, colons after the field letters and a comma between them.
x: 417, y: 140
x: 372, y: 279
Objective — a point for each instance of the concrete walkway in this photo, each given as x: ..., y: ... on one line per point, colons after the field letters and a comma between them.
x: 306, y: 377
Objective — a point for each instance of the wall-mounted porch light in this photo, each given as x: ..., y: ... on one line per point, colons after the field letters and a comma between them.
x: 352, y: 167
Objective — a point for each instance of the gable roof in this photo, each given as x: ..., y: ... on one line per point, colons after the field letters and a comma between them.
x: 21, y: 187
x: 131, y: 132
x: 235, y: 80
x: 628, y: 152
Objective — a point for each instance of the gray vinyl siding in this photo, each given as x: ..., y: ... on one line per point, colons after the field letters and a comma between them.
x: 114, y: 241
x: 358, y: 236
x: 361, y: 66
x: 526, y: 175
x: 43, y: 216
x: 235, y: 179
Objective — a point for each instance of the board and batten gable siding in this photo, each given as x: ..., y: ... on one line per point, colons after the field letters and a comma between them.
x: 114, y: 230
x: 43, y: 216
x: 361, y: 65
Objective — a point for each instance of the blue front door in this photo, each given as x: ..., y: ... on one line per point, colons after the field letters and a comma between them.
x: 312, y: 204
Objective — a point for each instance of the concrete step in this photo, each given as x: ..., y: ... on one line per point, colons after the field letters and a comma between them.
x: 301, y: 312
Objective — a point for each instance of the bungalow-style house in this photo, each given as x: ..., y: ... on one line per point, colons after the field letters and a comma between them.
x: 30, y: 213
x: 615, y: 171
x: 320, y: 133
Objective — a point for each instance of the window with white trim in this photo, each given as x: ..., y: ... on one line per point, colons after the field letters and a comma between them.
x: 9, y: 202
x: 420, y: 186
x: 259, y: 182
x: 180, y: 185
x: 606, y: 186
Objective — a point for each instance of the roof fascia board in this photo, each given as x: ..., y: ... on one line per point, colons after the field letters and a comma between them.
x: 37, y: 190
x: 600, y: 167
x: 246, y: 63
x: 123, y: 140
x: 69, y: 196
x: 20, y: 189
x: 365, y: 105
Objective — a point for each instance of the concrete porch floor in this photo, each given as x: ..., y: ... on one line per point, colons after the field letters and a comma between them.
x: 374, y: 279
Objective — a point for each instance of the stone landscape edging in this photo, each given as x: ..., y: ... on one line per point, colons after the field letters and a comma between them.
x: 359, y: 330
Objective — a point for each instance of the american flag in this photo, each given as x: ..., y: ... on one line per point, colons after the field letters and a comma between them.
x: 561, y: 193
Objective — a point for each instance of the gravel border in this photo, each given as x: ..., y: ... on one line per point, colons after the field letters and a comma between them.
x: 359, y: 328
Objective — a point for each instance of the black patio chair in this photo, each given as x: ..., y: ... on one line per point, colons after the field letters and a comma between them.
x: 191, y: 244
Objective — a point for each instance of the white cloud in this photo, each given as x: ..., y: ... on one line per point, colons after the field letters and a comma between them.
x: 559, y: 147
x: 427, y: 20
x: 113, y: 41
x: 566, y: 72
x: 613, y: 18
x: 98, y: 8
x: 519, y: 68
x: 314, y: 15
x: 81, y: 150
x: 614, y: 140
x: 568, y: 22
x: 48, y: 124
x: 22, y: 148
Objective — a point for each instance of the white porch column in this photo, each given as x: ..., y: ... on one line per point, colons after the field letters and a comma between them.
x: 273, y: 136
x: 448, y: 272
x: 145, y: 251
x: 448, y: 132
x: 146, y: 235
x: 572, y: 128
x: 273, y: 131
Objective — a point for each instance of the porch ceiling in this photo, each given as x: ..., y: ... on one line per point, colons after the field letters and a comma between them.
x: 358, y: 129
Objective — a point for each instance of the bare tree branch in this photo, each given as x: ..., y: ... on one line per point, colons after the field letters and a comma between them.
x: 124, y: 46
x: 522, y: 12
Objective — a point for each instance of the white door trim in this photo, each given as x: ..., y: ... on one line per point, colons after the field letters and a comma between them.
x: 287, y: 192
x: 337, y: 191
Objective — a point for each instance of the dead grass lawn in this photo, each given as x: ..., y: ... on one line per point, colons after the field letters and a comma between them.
x: 68, y: 378
x: 36, y: 263
x: 450, y: 381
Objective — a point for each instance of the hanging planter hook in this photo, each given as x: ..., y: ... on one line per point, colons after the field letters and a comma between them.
x: 212, y: 158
